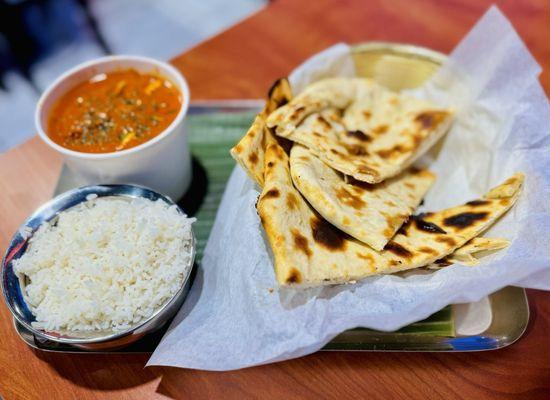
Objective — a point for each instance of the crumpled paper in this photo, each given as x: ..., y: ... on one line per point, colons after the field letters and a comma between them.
x: 236, y: 316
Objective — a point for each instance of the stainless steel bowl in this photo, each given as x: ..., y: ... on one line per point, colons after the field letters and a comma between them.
x: 99, y: 340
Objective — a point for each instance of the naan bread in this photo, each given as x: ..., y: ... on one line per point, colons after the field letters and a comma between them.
x: 369, y: 213
x: 360, y: 128
x: 309, y: 251
x: 469, y: 253
x: 249, y: 152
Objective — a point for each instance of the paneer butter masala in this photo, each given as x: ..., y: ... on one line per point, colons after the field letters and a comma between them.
x: 114, y: 111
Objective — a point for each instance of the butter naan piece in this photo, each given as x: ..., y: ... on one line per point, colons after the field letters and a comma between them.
x: 470, y: 253
x: 361, y: 128
x: 249, y: 152
x: 369, y: 213
x: 477, y: 246
x: 309, y: 251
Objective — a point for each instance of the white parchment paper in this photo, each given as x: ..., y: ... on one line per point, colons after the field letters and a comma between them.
x: 236, y: 316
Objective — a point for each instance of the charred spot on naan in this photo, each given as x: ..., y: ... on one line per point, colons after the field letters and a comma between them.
x: 321, y: 120
x: 430, y: 119
x: 279, y: 152
x: 398, y: 250
x: 393, y: 152
x: 477, y: 203
x: 366, y: 170
x: 327, y: 235
x: 359, y: 135
x: 417, y: 139
x: 350, y: 199
x: 297, y: 114
x: 253, y: 158
x: 381, y: 129
x: 300, y: 242
x: 264, y: 136
x: 291, y: 201
x: 294, y: 276
x: 271, y: 194
x: 428, y: 250
x: 366, y: 256
x: 423, y: 225
x: 404, y: 229
x: 338, y: 153
x: 355, y: 149
x: 465, y: 219
x: 420, y: 172
x: 446, y: 240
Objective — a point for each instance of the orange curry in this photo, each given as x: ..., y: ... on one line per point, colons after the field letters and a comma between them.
x: 114, y: 111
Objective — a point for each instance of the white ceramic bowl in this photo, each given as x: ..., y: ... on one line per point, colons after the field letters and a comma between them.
x: 162, y: 163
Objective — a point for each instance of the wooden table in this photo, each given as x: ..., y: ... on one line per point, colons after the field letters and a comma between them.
x: 241, y: 63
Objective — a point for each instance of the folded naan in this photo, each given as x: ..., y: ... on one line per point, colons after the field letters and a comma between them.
x: 249, y: 152
x: 369, y: 213
x: 360, y: 128
x: 309, y: 251
x: 470, y: 253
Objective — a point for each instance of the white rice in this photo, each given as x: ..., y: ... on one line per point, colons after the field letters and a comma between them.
x: 108, y: 263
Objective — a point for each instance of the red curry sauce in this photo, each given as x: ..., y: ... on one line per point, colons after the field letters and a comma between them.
x: 114, y: 111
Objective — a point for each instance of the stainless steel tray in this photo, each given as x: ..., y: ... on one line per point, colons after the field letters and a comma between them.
x: 510, y: 316
x: 508, y: 308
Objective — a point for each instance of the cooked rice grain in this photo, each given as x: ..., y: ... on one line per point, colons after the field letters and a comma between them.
x: 107, y: 264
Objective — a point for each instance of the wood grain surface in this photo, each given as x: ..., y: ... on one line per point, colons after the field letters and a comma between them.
x: 241, y: 63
